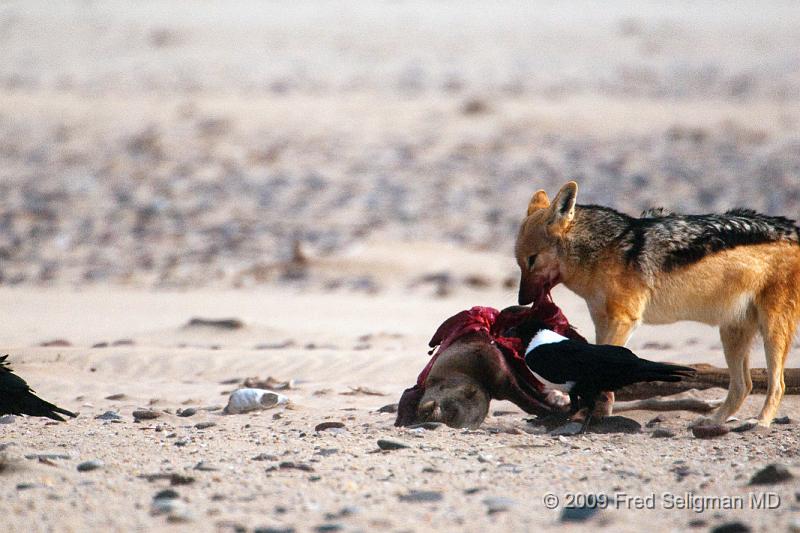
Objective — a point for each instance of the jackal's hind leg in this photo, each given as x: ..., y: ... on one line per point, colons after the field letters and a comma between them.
x: 778, y: 334
x: 736, y: 342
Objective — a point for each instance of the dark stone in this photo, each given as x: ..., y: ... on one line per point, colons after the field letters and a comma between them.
x: 661, y: 433
x: 578, y: 514
x: 421, y: 496
x: 783, y: 420
x: 88, y: 466
x: 386, y: 444
x: 328, y: 425
x: 771, y: 474
x: 732, y: 527
x: 615, y: 424
x: 743, y: 427
x: 189, y: 411
x: 389, y: 408
x: 166, y: 494
x: 709, y: 431
x: 205, y: 425
x: 108, y: 415
x: 145, y: 414
x: 224, y: 323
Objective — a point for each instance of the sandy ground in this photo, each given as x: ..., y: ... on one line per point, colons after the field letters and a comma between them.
x: 494, y: 478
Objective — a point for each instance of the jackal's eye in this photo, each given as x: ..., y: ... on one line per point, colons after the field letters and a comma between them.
x: 531, y: 260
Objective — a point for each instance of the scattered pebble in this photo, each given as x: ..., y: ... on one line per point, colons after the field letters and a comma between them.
x: 189, y: 411
x: 203, y: 467
x: 783, y: 420
x: 324, y: 528
x: 745, y: 426
x: 421, y: 496
x: 224, y: 323
x: 328, y: 425
x: 56, y: 343
x: 108, y: 415
x: 578, y: 514
x: 388, y: 408
x: 732, y: 527
x: 205, y: 425
x: 388, y: 444
x: 661, y: 433
x: 51, y: 456
x: 88, y: 466
x: 498, y: 504
x: 145, y: 414
x: 771, y: 474
x: 7, y: 419
x: 709, y: 431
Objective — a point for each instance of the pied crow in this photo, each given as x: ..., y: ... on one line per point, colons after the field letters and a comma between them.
x: 17, y: 398
x: 583, y: 370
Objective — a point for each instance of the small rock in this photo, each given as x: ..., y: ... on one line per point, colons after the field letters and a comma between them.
x: 180, y: 479
x: 203, y: 467
x: 387, y: 444
x: 189, y: 411
x: 123, y: 342
x: 265, y: 457
x: 175, y: 509
x: 7, y: 419
x: 167, y: 494
x: 745, y: 426
x: 274, y: 530
x: 100, y: 345
x: 290, y: 465
x: 49, y: 456
x: 56, y: 343
x: 108, y: 415
x: 421, y: 496
x: 117, y: 396
x: 709, y: 431
x: 324, y: 528
x: 145, y: 414
x: 88, y: 466
x: 578, y: 514
x: 771, y: 474
x: 224, y: 323
x: 661, y: 433
x: 495, y: 504
x: 783, y: 420
x: 388, y: 408
x: 328, y: 425
x: 205, y: 425
x: 732, y: 527
x: 26, y: 486
x: 654, y: 421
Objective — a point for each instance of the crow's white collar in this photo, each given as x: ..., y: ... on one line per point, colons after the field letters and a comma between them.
x: 544, y: 336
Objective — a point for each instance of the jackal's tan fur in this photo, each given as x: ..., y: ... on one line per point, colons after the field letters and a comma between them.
x: 744, y: 288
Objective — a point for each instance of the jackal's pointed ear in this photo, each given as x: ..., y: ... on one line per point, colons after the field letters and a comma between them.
x: 539, y: 200
x: 564, y: 204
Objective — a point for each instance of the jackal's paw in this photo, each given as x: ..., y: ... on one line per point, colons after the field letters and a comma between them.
x: 764, y: 423
x: 556, y: 398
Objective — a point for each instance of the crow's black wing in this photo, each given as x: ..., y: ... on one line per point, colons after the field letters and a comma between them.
x: 17, y: 398
x: 575, y: 361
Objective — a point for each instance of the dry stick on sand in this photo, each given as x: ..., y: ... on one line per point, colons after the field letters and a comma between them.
x: 707, y: 377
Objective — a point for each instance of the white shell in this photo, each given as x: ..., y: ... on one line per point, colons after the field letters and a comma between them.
x: 244, y: 400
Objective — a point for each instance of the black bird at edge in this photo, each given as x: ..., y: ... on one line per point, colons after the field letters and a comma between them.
x: 17, y: 398
x: 583, y: 370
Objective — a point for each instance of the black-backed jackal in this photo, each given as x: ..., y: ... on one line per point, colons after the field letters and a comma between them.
x: 739, y: 270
